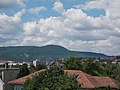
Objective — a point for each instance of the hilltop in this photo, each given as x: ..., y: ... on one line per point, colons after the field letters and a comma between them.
x: 49, y: 52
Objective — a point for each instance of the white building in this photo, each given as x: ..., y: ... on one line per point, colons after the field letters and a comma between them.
x: 1, y: 85
x: 35, y: 62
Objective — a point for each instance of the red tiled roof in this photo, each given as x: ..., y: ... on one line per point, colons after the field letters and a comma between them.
x: 84, y: 79
x: 106, y: 81
x: 89, y: 81
x: 22, y: 80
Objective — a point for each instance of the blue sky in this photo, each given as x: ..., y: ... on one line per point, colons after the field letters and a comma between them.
x: 48, y: 4
x: 85, y: 25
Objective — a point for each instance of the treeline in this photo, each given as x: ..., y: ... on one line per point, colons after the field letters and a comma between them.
x: 93, y: 67
x: 55, y: 79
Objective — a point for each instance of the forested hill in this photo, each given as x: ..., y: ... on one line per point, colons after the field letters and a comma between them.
x: 49, y: 52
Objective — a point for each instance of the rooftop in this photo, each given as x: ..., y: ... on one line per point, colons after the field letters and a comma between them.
x: 89, y: 81
x: 22, y: 80
x: 84, y: 79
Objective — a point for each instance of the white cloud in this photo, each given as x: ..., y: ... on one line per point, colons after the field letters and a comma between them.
x: 11, y: 3
x: 58, y: 6
x: 74, y: 29
x: 10, y: 27
x: 111, y: 6
x: 36, y: 10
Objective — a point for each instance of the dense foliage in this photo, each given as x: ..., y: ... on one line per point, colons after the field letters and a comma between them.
x: 92, y: 67
x: 50, y: 52
x: 88, y: 66
x: 72, y: 63
x: 52, y: 79
x: 55, y: 79
x: 23, y: 71
x: 40, y: 66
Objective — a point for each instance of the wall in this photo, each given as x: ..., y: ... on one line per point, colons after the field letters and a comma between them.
x: 18, y: 87
x: 8, y: 75
x: 1, y: 85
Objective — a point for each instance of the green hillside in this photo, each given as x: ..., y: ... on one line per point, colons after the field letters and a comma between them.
x: 49, y: 52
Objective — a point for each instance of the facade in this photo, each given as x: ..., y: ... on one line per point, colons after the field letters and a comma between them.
x: 57, y: 63
x: 8, y: 75
x: 1, y: 85
x: 18, y: 83
x: 36, y: 62
x: 18, y: 87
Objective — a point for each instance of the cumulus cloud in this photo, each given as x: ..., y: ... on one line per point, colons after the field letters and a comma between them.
x: 58, y: 6
x: 11, y: 3
x: 36, y: 10
x: 74, y: 29
x: 10, y: 27
x: 111, y: 6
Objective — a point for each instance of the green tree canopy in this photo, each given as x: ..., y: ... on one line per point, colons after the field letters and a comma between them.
x: 93, y: 68
x: 40, y: 66
x: 72, y: 63
x: 23, y: 71
x: 52, y: 79
x: 116, y: 72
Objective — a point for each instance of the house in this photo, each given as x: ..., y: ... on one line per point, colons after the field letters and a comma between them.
x: 36, y: 62
x: 85, y: 80
x: 57, y: 63
x: 88, y: 81
x: 1, y: 84
x: 7, y: 74
x: 18, y: 83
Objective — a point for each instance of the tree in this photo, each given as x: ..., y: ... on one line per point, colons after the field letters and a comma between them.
x: 23, y: 71
x: 110, y: 68
x: 32, y: 68
x: 52, y: 79
x: 40, y: 66
x: 72, y: 63
x: 90, y: 67
x: 116, y: 73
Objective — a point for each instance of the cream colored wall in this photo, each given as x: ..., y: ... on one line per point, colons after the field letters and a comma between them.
x: 1, y: 86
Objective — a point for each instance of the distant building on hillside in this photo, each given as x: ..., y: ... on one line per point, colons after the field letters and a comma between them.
x: 57, y: 63
x: 13, y: 63
x: 36, y: 62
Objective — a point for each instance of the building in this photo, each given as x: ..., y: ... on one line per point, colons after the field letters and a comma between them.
x: 7, y: 74
x: 18, y: 83
x: 13, y: 63
x: 1, y: 84
x: 57, y: 63
x: 36, y: 62
x: 85, y: 80
x: 88, y: 81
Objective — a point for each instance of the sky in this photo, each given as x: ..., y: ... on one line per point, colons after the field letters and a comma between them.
x: 80, y: 25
